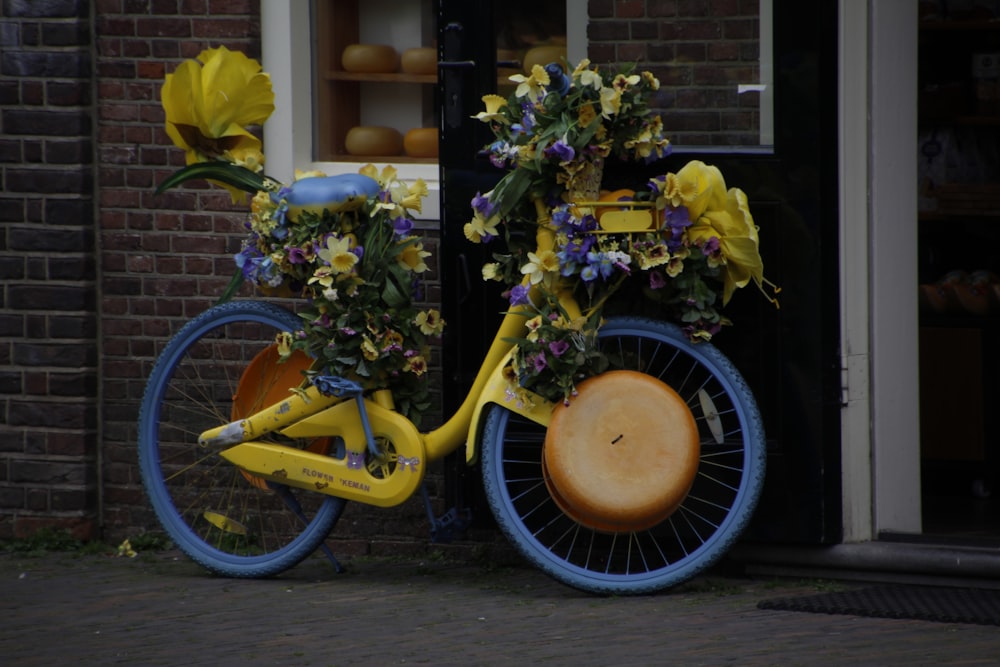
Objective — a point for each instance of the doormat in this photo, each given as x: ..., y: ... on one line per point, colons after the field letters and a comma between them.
x: 924, y: 603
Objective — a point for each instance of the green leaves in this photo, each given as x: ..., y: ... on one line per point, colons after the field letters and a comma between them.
x: 223, y: 172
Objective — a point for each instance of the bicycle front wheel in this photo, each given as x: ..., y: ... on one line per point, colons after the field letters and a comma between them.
x: 724, y: 488
x: 221, y: 366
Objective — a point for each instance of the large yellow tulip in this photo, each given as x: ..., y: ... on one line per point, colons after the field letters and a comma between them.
x: 738, y: 242
x: 699, y: 187
x: 210, y: 102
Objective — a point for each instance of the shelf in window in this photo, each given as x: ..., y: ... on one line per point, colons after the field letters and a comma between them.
x: 393, y: 77
x: 386, y: 159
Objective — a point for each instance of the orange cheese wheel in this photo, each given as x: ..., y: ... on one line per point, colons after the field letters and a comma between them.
x: 420, y: 61
x: 370, y: 58
x: 373, y: 140
x: 623, y: 454
x: 543, y: 55
x: 421, y: 142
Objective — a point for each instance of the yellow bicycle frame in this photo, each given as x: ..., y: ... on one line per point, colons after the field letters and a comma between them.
x: 307, y: 413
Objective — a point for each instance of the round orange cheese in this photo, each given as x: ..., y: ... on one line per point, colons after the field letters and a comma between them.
x: 421, y: 60
x: 373, y: 140
x: 623, y: 454
x: 369, y: 58
x: 421, y: 142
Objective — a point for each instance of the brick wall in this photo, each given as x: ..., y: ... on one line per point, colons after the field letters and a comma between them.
x: 165, y: 258
x: 48, y: 322
x: 699, y: 50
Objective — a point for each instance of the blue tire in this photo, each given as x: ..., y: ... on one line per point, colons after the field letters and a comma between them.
x: 698, y: 533
x: 229, y: 522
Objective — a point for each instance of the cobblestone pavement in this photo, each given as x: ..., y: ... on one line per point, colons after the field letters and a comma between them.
x: 160, y: 609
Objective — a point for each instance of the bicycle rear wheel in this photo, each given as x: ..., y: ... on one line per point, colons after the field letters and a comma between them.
x: 726, y: 484
x: 219, y: 367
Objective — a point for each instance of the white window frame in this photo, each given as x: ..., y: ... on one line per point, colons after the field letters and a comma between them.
x: 287, y: 55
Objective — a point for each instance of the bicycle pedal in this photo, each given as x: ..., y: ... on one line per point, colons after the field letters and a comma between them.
x: 450, y: 525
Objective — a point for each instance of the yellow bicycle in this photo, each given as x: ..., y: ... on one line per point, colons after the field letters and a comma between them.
x: 644, y: 479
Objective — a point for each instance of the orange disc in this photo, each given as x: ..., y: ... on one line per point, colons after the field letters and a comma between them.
x: 267, y: 380
x: 623, y: 454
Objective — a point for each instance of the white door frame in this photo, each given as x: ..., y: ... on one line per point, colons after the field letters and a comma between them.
x: 878, y: 251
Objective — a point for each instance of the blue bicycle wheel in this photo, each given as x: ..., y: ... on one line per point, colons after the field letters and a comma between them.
x: 709, y: 519
x: 219, y: 367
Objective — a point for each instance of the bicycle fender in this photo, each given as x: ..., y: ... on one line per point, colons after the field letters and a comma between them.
x: 497, y: 391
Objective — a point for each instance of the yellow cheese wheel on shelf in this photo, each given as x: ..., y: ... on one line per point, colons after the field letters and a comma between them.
x: 543, y: 55
x: 421, y: 142
x: 370, y: 59
x: 373, y: 140
x: 421, y: 60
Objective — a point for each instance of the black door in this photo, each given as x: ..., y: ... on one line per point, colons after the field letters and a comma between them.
x: 789, y: 356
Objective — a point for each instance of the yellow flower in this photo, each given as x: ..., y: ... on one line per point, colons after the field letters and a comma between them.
x: 653, y: 256
x: 210, y: 102
x: 622, y: 82
x: 611, y: 101
x: 531, y: 84
x: 545, y: 262
x: 430, y: 322
x: 699, y: 187
x: 586, y: 115
x: 651, y: 81
x: 368, y: 349
x: 479, y: 227
x: 533, y: 325
x: 650, y: 139
x: 338, y: 255
x: 491, y: 270
x: 392, y: 339
x: 738, y: 242
x: 284, y: 343
x: 125, y: 549
x: 409, y: 196
x: 412, y: 258
x: 387, y: 176
x: 323, y: 275
x: 586, y: 76
x: 416, y: 365
x: 492, y: 114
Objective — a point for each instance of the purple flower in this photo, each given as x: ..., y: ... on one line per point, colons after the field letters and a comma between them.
x: 402, y: 225
x: 711, y: 246
x: 539, y: 363
x: 297, y: 255
x: 561, y: 150
x: 519, y: 295
x: 558, y: 347
x: 676, y: 220
x: 482, y: 205
x: 656, y: 280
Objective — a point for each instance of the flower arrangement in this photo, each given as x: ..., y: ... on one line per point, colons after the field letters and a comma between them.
x: 344, y: 243
x: 555, y: 130
x: 695, y: 246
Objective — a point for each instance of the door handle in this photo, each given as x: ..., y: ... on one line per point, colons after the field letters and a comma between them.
x: 457, y: 64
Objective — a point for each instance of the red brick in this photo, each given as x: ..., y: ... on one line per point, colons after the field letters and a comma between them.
x: 630, y: 9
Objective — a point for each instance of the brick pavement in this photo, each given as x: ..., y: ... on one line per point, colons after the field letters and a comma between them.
x: 159, y: 609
